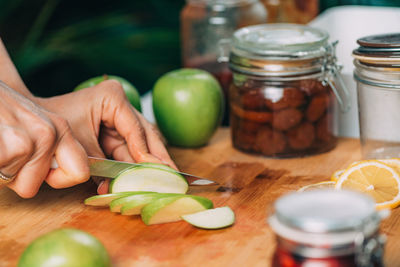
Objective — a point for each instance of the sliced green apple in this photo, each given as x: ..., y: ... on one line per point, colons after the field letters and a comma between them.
x: 212, y: 218
x: 117, y: 204
x: 157, y: 166
x: 170, y: 209
x: 104, y: 200
x: 149, y: 179
x: 133, y: 205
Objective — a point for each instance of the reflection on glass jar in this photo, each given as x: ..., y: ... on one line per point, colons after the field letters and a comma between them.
x: 328, y: 228
x: 377, y: 73
x: 282, y: 99
x: 204, y: 23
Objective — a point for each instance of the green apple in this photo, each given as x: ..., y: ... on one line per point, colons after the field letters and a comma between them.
x: 212, y: 218
x: 137, y: 202
x: 130, y: 91
x: 157, y: 166
x: 65, y: 248
x: 105, y: 199
x: 188, y: 106
x: 149, y: 179
x: 170, y: 209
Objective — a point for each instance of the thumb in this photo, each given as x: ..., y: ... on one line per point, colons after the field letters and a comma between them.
x: 72, y: 161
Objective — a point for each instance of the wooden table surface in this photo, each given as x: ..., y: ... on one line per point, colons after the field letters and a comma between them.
x: 252, y: 184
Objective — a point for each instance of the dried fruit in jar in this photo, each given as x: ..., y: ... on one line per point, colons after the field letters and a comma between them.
x: 243, y: 139
x: 252, y: 99
x: 246, y: 125
x: 251, y: 115
x: 269, y: 142
x: 286, y: 118
x: 302, y: 136
x: 312, y: 87
x: 324, y: 128
x: 318, y: 104
x: 278, y: 98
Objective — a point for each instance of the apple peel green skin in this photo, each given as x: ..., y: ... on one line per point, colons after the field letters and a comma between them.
x: 188, y: 106
x: 170, y: 209
x: 157, y: 166
x: 105, y: 199
x: 212, y: 218
x: 130, y: 91
x: 132, y: 205
x: 65, y: 247
x: 149, y: 179
x: 116, y: 205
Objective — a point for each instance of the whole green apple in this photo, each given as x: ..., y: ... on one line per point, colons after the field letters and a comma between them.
x: 188, y: 106
x: 65, y: 248
x: 130, y: 90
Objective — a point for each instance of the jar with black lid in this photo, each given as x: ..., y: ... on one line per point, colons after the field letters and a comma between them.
x: 282, y: 98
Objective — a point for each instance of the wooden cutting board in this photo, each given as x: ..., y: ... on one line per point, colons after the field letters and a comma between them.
x: 252, y: 184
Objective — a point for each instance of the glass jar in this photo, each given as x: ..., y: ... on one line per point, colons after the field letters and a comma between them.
x: 285, y: 77
x: 328, y: 228
x: 204, y: 23
x: 291, y: 11
x: 377, y: 74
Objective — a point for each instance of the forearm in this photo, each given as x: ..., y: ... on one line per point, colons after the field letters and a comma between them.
x: 9, y: 74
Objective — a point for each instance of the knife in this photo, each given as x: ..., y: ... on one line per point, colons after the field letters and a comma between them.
x: 111, y: 168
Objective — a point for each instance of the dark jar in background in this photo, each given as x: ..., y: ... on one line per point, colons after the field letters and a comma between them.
x: 282, y: 97
x: 328, y: 228
x: 204, y: 23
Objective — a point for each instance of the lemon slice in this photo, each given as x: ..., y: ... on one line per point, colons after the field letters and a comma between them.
x: 336, y: 175
x: 394, y: 162
x: 320, y: 185
x: 375, y: 178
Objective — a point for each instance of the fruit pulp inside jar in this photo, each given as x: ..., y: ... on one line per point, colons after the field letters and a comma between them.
x: 283, y: 258
x: 285, y: 119
x: 221, y: 72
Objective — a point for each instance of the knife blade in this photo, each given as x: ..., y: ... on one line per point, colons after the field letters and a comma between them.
x: 111, y: 168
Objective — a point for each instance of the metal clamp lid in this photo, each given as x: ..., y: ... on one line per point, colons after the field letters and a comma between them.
x: 332, y: 77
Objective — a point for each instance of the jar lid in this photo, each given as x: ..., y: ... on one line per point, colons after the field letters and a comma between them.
x: 325, y: 211
x: 382, y: 49
x: 279, y: 40
x: 381, y: 40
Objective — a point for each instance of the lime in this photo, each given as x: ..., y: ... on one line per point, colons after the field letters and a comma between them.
x: 65, y: 247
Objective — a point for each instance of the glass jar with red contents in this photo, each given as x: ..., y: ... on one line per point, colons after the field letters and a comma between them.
x: 285, y: 79
x: 207, y: 23
x: 327, y: 228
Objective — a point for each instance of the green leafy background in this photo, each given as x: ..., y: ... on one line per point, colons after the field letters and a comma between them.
x: 57, y: 44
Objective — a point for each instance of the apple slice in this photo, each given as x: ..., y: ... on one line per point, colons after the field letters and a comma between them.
x: 170, y: 209
x: 103, y: 200
x: 157, y: 166
x: 117, y: 204
x: 149, y: 179
x: 133, y: 205
x: 212, y: 218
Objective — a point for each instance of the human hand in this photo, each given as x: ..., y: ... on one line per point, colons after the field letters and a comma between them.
x: 106, y: 125
x: 29, y: 138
